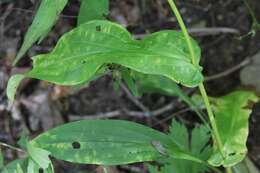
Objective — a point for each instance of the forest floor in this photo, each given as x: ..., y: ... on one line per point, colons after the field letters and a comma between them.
x: 216, y: 25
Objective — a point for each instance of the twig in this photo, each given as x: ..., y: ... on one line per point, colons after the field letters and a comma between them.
x: 97, y: 116
x: 2, y: 21
x: 173, y: 115
x: 204, y: 31
x: 116, y: 113
x: 229, y: 71
x: 11, y: 147
x: 134, y: 99
x: 213, y: 31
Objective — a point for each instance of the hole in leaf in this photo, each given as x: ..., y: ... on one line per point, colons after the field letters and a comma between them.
x: 41, y: 170
x: 98, y: 28
x: 232, y: 154
x: 76, y: 145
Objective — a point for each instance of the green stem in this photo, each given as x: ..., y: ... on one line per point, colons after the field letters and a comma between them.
x: 201, y: 86
x: 250, y: 10
x: 228, y: 170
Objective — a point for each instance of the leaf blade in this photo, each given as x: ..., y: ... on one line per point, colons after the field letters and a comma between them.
x: 97, y: 43
x: 45, y: 18
x: 108, y: 142
x: 93, y: 10
x: 13, y: 84
x: 232, y: 122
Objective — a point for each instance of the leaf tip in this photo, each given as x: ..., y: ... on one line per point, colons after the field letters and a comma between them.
x: 12, y: 86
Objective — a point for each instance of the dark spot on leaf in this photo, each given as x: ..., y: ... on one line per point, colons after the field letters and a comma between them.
x: 83, y: 62
x: 76, y: 145
x: 105, y: 16
x: 98, y: 28
x: 232, y: 154
x: 41, y: 170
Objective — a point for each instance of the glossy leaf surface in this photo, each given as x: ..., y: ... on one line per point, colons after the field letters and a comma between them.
x: 45, y: 18
x: 232, y: 114
x: 82, y: 52
x: 93, y: 10
x: 109, y: 142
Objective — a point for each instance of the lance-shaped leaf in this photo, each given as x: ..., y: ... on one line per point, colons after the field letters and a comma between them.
x: 45, y: 18
x: 232, y: 113
x: 107, y: 142
x: 82, y: 52
x: 93, y: 10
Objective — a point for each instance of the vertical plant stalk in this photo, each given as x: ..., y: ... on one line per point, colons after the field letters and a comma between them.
x: 201, y: 86
x: 250, y: 10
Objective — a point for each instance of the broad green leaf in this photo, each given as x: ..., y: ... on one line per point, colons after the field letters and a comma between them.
x: 12, y: 166
x: 246, y: 166
x: 45, y: 18
x: 196, y: 146
x: 93, y: 10
x: 107, y: 142
x: 82, y: 52
x: 1, y: 160
x: 13, y: 84
x: 231, y: 114
x: 39, y: 156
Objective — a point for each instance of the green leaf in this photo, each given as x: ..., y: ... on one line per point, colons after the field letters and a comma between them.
x: 19, y: 169
x: 33, y: 167
x: 232, y: 114
x: 106, y: 142
x: 196, y: 146
x: 39, y: 155
x: 13, y: 84
x: 160, y: 84
x: 45, y: 18
x: 82, y: 52
x: 12, y: 166
x: 93, y: 10
x: 1, y: 160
